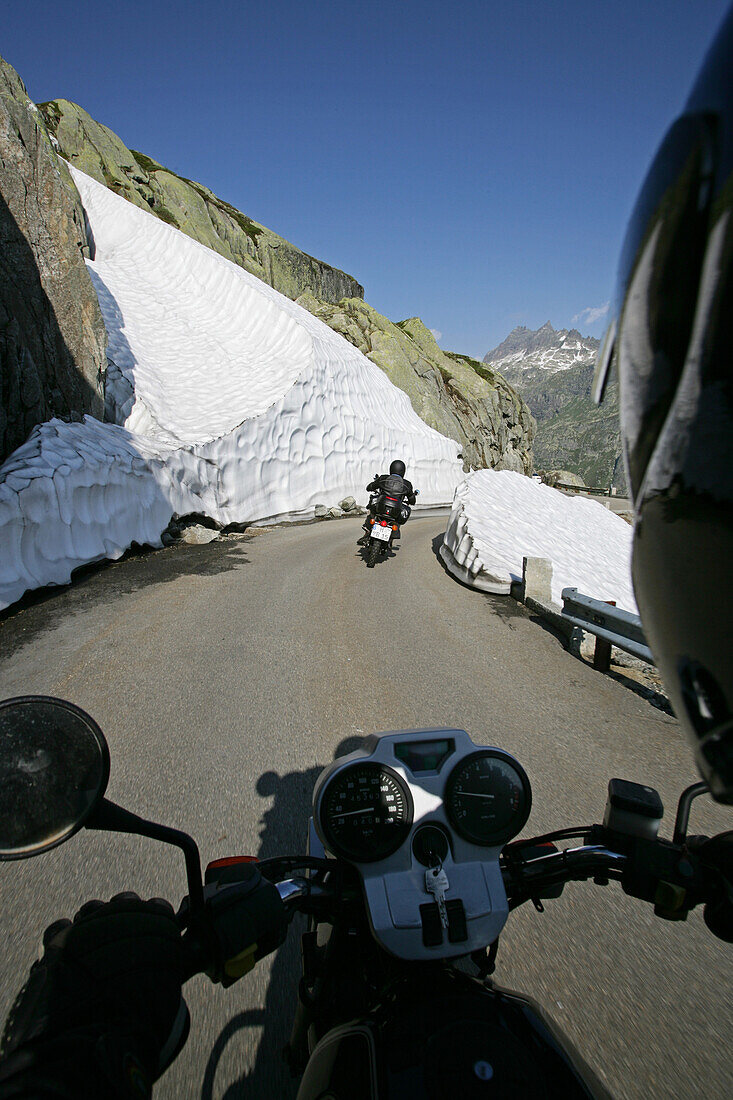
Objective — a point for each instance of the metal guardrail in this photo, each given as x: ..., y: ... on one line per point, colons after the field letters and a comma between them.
x: 609, y: 623
x: 595, y: 490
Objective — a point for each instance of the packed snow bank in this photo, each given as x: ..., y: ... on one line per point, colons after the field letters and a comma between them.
x: 500, y: 517
x: 200, y: 344
x: 76, y: 493
x: 229, y: 400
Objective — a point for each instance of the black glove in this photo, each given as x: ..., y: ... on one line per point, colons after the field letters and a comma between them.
x: 101, y: 1013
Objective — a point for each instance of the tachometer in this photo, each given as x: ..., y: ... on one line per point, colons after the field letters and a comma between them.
x: 365, y: 812
x: 488, y: 797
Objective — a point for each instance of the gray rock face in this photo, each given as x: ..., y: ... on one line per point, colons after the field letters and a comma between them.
x: 191, y: 207
x: 553, y: 371
x: 562, y: 477
x: 454, y: 394
x: 52, y: 337
x: 584, y: 437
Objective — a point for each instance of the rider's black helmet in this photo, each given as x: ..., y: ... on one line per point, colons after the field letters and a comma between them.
x: 397, y: 467
x: 672, y: 343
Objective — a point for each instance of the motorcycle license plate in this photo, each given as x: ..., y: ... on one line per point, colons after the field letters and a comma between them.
x: 382, y: 533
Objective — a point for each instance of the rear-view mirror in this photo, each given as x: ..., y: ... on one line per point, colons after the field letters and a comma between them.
x: 54, y: 767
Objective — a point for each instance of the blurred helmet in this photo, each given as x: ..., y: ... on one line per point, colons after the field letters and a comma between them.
x: 672, y: 344
x: 397, y: 467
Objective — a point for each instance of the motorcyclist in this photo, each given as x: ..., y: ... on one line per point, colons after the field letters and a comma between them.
x: 395, y: 485
x: 86, y: 1025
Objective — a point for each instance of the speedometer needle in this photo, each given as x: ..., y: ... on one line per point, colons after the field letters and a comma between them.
x: 366, y: 810
x: 474, y: 794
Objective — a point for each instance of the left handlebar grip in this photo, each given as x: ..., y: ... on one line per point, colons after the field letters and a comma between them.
x: 196, y: 959
x: 244, y: 920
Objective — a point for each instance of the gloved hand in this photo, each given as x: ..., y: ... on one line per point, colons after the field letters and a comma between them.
x: 101, y: 1013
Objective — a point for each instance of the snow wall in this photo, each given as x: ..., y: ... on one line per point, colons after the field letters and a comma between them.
x: 228, y: 400
x: 500, y: 517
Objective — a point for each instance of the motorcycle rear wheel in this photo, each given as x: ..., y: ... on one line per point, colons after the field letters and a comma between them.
x: 374, y: 549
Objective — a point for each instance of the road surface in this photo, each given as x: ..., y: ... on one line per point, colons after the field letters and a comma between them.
x: 226, y: 676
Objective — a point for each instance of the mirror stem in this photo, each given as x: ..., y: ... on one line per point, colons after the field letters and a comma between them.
x: 111, y: 818
x: 683, y: 810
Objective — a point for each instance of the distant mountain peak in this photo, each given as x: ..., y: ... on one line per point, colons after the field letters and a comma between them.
x: 545, y: 348
x: 552, y: 369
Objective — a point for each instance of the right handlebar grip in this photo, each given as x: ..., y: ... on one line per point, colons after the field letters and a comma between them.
x: 716, y: 856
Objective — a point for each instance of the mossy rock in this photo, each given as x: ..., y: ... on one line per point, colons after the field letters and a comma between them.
x: 191, y: 207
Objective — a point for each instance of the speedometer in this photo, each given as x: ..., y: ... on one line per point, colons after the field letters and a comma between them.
x: 365, y: 812
x: 488, y: 797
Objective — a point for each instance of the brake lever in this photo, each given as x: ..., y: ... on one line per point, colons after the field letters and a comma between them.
x: 546, y: 875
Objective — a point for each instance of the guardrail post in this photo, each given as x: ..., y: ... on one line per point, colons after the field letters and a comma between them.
x: 537, y: 579
x: 602, y: 652
x: 612, y: 624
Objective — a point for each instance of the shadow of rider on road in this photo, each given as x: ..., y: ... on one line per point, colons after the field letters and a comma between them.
x: 269, y: 1076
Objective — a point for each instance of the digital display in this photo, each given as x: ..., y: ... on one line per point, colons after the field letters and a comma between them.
x: 424, y: 756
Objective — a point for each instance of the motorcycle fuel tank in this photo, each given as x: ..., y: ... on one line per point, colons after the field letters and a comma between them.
x: 462, y: 1041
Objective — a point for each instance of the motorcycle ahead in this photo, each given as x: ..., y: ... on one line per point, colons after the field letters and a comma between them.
x: 412, y: 865
x: 386, y: 516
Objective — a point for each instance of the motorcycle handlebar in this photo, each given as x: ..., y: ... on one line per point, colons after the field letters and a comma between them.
x: 673, y: 877
x: 246, y: 920
x: 571, y: 863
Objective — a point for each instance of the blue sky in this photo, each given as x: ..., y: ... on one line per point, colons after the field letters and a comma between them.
x: 470, y: 163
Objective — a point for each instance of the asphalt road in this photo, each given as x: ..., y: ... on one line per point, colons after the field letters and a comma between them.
x: 225, y: 676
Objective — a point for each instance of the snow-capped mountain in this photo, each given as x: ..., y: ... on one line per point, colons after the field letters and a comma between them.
x: 553, y: 370
x: 545, y: 349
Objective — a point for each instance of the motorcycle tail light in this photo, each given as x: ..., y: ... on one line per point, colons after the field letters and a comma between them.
x: 383, y: 522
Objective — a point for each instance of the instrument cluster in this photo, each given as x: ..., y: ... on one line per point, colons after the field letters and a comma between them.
x: 366, y: 808
x: 414, y: 800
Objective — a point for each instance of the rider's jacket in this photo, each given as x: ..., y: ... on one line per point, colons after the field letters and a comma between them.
x: 393, y: 485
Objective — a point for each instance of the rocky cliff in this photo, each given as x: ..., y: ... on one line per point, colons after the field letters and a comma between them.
x: 191, y: 207
x: 553, y: 370
x: 582, y: 436
x: 52, y: 338
x: 454, y: 394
